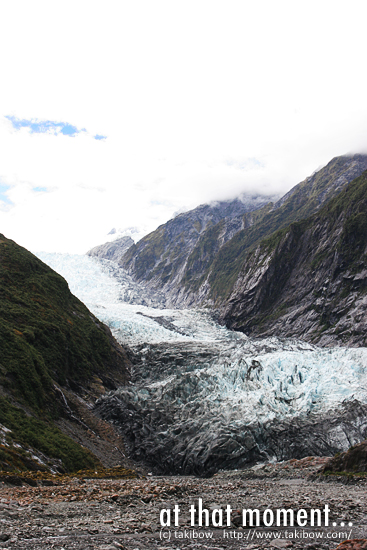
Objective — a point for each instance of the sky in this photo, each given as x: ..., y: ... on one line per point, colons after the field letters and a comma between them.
x: 119, y: 114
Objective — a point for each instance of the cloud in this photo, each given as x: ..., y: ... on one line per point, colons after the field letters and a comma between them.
x: 4, y: 194
x: 44, y: 126
x: 199, y: 101
x: 51, y: 127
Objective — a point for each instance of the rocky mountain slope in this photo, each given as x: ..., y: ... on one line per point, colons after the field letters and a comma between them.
x: 310, y: 278
x: 112, y: 250
x: 197, y: 260
x: 56, y: 359
x: 161, y: 258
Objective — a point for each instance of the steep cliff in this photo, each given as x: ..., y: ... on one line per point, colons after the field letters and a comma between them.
x: 56, y: 357
x: 162, y: 258
x: 309, y: 279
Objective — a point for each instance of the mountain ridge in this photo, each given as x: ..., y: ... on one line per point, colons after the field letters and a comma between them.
x: 214, y: 261
x: 160, y: 258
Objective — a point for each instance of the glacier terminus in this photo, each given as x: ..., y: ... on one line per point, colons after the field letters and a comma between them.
x: 204, y: 398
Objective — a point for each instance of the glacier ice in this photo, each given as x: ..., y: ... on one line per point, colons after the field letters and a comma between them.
x: 204, y: 397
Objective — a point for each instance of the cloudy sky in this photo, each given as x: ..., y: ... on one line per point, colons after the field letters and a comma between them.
x: 121, y: 113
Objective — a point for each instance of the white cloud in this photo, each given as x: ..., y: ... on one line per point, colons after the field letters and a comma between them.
x: 188, y: 95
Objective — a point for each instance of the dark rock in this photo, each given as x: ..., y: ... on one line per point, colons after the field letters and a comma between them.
x: 15, y: 480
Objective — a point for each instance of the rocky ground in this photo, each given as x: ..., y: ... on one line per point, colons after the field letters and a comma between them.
x: 125, y: 513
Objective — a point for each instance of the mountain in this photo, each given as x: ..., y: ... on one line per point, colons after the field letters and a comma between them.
x: 56, y: 359
x: 197, y: 257
x: 112, y: 250
x: 309, y: 279
x: 302, y: 201
x: 161, y: 258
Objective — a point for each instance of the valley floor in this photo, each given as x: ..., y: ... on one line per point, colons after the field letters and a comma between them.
x: 112, y: 514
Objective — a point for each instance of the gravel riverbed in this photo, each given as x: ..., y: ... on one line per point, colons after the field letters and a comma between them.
x: 125, y: 514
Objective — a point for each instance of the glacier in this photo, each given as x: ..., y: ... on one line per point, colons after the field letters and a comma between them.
x: 204, y: 398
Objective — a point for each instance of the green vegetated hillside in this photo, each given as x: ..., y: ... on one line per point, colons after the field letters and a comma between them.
x: 49, y: 342
x: 309, y: 279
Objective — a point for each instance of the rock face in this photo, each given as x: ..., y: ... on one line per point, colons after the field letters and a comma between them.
x: 197, y: 258
x: 112, y: 250
x: 309, y: 279
x: 165, y: 258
